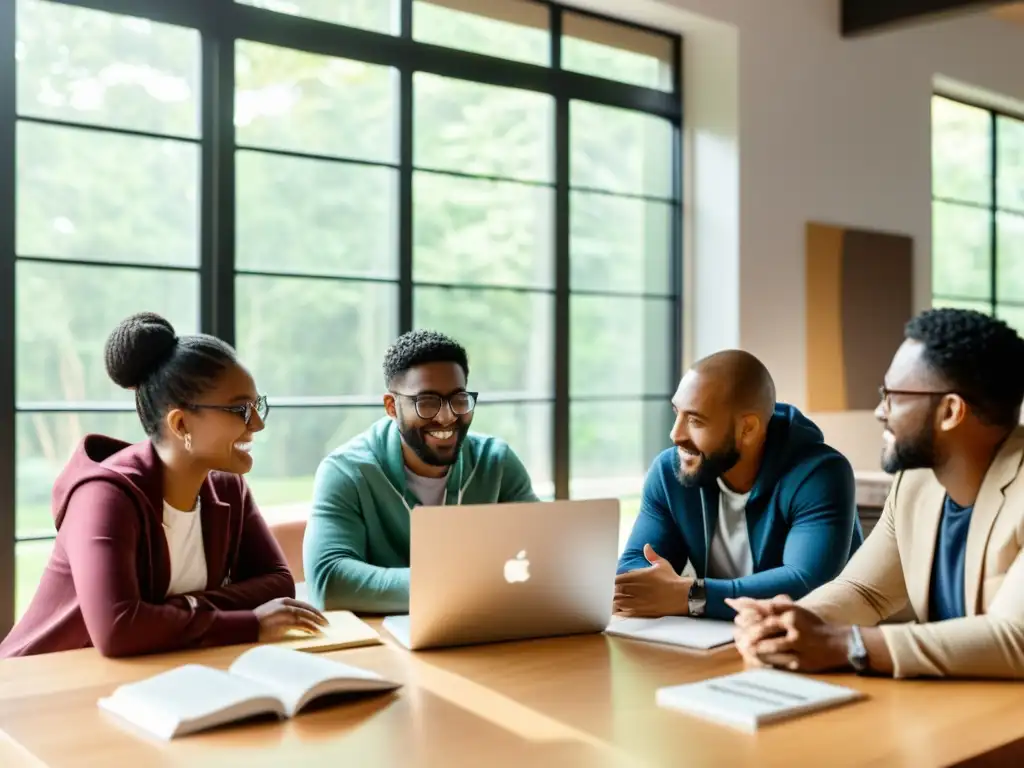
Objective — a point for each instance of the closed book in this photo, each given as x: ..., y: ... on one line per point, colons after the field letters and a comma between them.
x: 344, y: 630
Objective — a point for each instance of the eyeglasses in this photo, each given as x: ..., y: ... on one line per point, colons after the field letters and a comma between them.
x: 886, y: 394
x: 428, y: 406
x: 245, y: 410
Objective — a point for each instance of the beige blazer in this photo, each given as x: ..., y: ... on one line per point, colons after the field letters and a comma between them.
x: 892, y: 570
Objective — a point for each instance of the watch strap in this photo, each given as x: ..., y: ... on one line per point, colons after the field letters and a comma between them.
x: 857, y: 652
x: 697, y: 599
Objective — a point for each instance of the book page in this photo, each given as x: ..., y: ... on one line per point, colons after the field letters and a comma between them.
x: 298, y: 677
x: 189, y: 698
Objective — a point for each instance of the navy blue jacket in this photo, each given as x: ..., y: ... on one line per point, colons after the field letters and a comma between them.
x: 801, y: 517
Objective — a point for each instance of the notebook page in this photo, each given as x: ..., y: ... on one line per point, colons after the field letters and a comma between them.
x: 751, y: 698
x: 293, y: 674
x: 685, y: 631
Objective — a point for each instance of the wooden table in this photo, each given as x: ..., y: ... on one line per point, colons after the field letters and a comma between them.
x: 567, y: 702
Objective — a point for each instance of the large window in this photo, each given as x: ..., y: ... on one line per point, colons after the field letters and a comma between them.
x: 308, y: 179
x: 107, y: 222
x: 978, y: 210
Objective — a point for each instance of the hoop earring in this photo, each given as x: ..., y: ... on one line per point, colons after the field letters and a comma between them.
x: 188, y: 442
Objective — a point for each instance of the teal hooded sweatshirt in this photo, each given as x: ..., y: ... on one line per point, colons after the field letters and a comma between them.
x: 356, y: 547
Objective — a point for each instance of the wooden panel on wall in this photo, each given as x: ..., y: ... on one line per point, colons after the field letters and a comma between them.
x: 826, y: 379
x: 859, y: 287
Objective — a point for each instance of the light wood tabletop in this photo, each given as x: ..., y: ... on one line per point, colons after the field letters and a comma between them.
x: 575, y: 701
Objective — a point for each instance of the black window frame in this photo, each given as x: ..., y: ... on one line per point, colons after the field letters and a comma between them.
x: 993, y: 208
x: 222, y: 22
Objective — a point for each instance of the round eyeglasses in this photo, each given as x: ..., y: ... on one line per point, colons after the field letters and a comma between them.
x: 429, y: 405
x: 245, y: 410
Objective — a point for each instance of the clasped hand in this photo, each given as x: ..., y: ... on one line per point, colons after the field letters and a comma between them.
x: 779, y: 633
x: 651, y: 592
x: 769, y: 633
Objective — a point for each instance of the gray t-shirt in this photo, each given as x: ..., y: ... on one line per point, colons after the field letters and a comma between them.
x: 430, y: 491
x: 731, y: 557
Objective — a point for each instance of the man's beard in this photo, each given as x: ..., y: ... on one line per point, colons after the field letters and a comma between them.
x: 415, y: 438
x: 712, y: 465
x: 916, y: 452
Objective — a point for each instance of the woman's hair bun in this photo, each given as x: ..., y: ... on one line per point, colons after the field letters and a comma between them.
x: 137, y: 347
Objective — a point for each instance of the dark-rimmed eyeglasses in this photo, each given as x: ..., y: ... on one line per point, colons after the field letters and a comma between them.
x: 886, y: 394
x: 429, y: 405
x: 245, y: 410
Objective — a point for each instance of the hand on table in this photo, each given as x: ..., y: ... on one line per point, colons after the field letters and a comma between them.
x: 779, y: 633
x: 651, y: 592
x: 279, y: 617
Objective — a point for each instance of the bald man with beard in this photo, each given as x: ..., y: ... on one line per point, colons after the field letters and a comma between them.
x: 750, y: 495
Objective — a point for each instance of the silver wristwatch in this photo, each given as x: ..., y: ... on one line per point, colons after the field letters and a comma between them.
x: 856, y: 652
x: 696, y: 599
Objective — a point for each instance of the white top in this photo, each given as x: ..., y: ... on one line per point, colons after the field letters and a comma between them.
x: 730, y: 556
x: 429, y: 490
x: 184, y: 532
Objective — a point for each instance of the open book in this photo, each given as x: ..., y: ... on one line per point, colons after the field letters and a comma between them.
x: 266, y: 680
x: 755, y: 697
x: 685, y: 631
x: 345, y: 630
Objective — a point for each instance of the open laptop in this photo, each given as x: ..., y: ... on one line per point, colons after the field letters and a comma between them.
x: 495, y: 572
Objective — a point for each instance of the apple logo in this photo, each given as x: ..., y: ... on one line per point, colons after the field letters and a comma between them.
x: 518, y: 569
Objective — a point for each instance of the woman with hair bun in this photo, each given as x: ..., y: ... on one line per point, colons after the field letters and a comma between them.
x: 160, y: 545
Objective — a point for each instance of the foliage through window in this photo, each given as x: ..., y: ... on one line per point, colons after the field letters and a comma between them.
x: 306, y: 179
x: 978, y: 210
x: 107, y: 223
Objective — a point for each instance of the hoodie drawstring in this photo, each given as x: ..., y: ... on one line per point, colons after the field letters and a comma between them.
x: 465, y: 485
x: 707, y: 539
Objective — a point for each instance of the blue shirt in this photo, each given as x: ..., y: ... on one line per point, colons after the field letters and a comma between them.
x: 946, y: 594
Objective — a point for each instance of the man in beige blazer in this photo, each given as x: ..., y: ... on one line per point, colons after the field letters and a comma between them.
x: 948, y: 544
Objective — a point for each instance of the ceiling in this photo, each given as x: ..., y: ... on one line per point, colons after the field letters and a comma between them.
x: 859, y: 17
x: 1013, y: 12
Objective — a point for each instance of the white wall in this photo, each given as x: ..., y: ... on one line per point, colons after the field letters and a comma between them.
x: 789, y: 122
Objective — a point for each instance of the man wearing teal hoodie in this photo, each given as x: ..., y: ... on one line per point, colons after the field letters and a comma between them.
x: 356, y: 547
